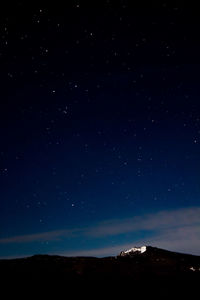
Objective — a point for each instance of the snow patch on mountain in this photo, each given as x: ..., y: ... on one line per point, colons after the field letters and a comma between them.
x: 134, y: 250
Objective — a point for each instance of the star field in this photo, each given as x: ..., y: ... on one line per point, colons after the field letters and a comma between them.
x: 99, y: 120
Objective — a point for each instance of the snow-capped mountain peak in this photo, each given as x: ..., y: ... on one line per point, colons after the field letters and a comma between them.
x: 134, y: 250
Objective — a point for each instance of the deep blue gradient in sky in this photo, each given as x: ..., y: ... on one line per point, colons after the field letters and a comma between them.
x: 100, y: 120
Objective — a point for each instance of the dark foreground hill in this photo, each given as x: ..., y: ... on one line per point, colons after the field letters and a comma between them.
x: 154, y: 263
x: 134, y: 268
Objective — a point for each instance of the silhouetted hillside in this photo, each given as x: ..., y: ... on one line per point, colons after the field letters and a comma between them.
x: 153, y: 264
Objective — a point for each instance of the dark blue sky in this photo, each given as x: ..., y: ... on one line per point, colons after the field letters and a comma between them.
x: 99, y: 121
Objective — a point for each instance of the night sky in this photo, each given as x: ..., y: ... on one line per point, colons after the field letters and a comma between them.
x: 99, y: 126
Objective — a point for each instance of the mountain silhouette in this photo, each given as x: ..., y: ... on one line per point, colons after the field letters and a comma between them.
x: 136, y: 264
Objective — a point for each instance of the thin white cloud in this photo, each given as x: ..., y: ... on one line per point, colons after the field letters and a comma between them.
x: 177, y: 230
x: 155, y: 221
x: 182, y: 239
x: 54, y: 235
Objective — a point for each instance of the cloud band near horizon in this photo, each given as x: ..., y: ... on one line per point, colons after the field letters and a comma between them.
x: 178, y: 230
